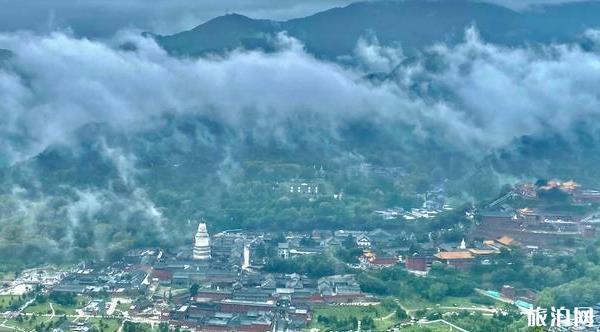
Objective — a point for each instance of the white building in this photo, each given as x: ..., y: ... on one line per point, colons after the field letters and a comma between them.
x: 304, y: 188
x: 283, y: 250
x: 363, y: 241
x: 246, y: 262
x: 201, y: 243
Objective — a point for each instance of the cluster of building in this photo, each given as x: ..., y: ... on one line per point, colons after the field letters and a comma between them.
x: 118, y: 279
x: 300, y: 187
x: 259, y: 302
x: 521, y: 298
x: 542, y: 226
x: 461, y: 256
x: 434, y: 203
x: 233, y: 293
x: 576, y: 193
x: 220, y: 284
x: 304, y: 188
x: 30, y: 279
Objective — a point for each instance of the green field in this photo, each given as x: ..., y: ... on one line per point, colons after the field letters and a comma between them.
x: 343, y: 312
x: 27, y: 323
x: 417, y: 303
x: 382, y: 318
x: 434, y: 327
x: 7, y: 300
x: 107, y: 325
x: 68, y: 310
x: 44, y: 308
x: 38, y: 308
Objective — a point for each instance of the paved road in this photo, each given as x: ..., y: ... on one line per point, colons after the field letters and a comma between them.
x: 386, y: 317
x: 444, y: 322
x: 408, y: 312
x: 112, y: 306
x: 480, y: 309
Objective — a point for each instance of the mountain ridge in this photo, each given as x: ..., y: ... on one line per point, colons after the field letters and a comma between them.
x: 411, y: 24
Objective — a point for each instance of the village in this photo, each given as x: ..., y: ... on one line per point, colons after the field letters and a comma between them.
x: 546, y: 215
x: 218, y: 285
x: 238, y: 280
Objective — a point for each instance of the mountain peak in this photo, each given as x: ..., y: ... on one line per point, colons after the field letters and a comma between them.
x: 411, y: 23
x: 231, y: 18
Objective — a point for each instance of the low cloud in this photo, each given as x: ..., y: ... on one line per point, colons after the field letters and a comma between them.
x: 375, y: 57
x: 505, y: 92
x: 476, y: 94
x: 57, y: 83
x: 527, y: 4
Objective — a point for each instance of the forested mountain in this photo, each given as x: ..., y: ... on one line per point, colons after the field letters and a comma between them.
x: 412, y: 24
x: 104, y: 147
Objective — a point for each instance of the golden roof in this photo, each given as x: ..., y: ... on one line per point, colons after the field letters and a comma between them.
x: 570, y: 185
x: 525, y: 210
x: 454, y: 255
x: 483, y: 251
x: 505, y: 240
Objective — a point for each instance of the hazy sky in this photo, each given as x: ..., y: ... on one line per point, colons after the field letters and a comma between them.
x: 104, y: 17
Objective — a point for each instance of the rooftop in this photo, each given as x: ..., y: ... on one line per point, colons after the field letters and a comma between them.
x: 483, y: 251
x: 505, y: 240
x: 454, y: 255
x: 494, y: 213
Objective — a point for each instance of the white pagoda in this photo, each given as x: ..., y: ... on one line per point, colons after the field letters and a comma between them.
x: 201, y: 243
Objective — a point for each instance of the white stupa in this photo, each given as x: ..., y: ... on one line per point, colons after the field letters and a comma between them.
x: 246, y: 261
x: 201, y: 243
